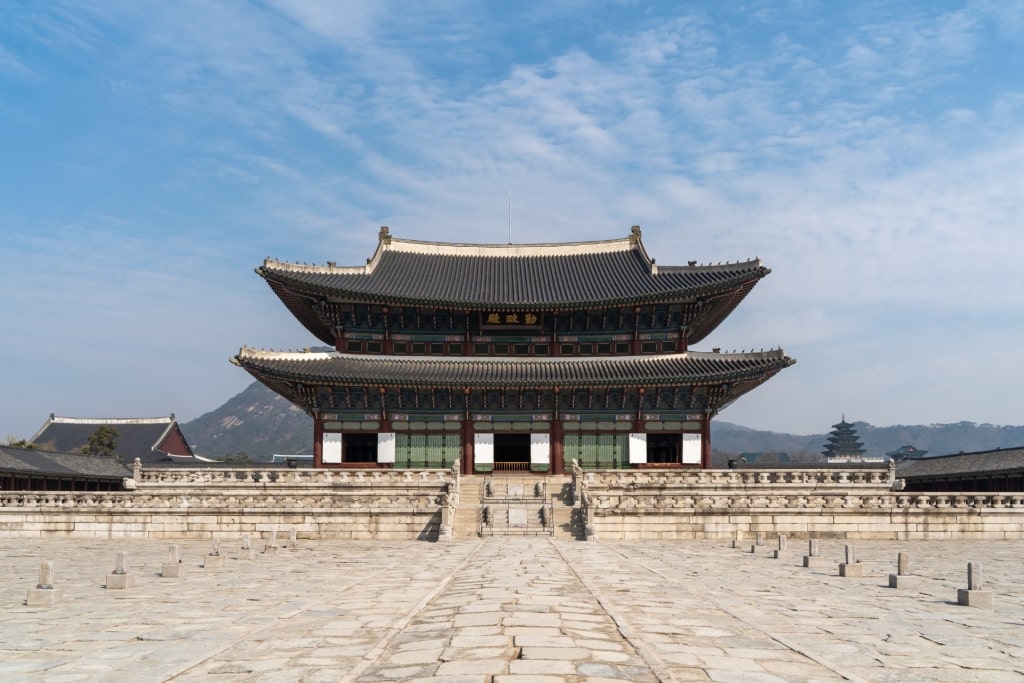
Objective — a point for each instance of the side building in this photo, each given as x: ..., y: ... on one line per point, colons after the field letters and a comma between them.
x: 512, y: 357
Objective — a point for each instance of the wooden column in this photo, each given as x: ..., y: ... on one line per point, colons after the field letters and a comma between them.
x: 557, y: 454
x: 318, y: 441
x: 705, y: 442
x: 467, y: 439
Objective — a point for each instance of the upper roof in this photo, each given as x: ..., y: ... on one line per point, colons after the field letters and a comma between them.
x: 654, y: 370
x: 542, y: 276
x: 1004, y: 460
x: 32, y: 462
x: 146, y: 438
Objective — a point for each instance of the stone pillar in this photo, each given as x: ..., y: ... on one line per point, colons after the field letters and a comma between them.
x: 902, y: 577
x: 813, y: 557
x: 214, y: 559
x: 852, y: 567
x: 975, y: 594
x: 781, y: 551
x: 247, y: 551
x: 44, y: 594
x: 172, y: 566
x: 120, y: 579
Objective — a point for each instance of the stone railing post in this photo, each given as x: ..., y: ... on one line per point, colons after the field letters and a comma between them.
x: 445, y: 533
x: 577, y: 484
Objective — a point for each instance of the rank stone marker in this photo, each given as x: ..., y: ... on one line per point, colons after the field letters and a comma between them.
x: 214, y: 559
x: 902, y: 577
x: 44, y: 594
x: 120, y: 579
x: 851, y: 568
x: 975, y: 594
x: 780, y: 552
x: 246, y: 552
x: 813, y: 557
x: 271, y: 546
x: 172, y: 567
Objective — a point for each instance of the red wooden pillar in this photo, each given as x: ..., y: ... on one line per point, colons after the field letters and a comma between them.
x: 318, y: 441
x: 467, y: 439
x: 557, y: 459
x: 705, y: 442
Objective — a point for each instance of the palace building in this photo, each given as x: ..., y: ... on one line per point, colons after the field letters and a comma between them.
x: 512, y: 357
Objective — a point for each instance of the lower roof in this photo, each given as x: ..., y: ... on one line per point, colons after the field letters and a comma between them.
x: 982, y: 463
x: 36, y: 463
x: 453, y: 371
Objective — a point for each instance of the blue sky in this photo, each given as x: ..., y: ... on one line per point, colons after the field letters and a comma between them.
x: 871, y: 153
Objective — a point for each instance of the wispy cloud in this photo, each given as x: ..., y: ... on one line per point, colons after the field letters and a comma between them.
x: 870, y: 154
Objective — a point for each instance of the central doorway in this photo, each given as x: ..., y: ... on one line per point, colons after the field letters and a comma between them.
x: 511, y: 452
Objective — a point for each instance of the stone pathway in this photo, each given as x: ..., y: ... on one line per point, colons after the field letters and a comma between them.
x: 504, y: 610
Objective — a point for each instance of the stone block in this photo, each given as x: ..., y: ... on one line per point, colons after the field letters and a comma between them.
x: 43, y: 597
x: 120, y: 581
x: 815, y: 562
x: 902, y: 581
x: 975, y: 598
x: 853, y: 570
x: 213, y: 561
x: 172, y: 571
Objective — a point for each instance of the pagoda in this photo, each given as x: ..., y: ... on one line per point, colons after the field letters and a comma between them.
x: 843, y: 444
x: 511, y: 357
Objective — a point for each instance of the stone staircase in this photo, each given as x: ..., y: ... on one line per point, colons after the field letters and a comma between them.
x: 516, y: 505
x: 467, y: 515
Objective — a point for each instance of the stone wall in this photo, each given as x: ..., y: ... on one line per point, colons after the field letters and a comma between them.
x: 228, y: 502
x: 798, y: 503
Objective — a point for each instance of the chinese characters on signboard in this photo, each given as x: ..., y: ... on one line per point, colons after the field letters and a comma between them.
x: 510, y: 318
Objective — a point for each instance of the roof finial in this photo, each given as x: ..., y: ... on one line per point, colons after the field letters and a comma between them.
x: 634, y: 236
x: 384, y: 235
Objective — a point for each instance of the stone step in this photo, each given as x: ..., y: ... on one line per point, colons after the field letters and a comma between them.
x: 515, y: 495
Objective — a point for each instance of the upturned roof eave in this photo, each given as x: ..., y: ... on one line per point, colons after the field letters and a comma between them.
x: 769, y: 368
x: 312, y: 289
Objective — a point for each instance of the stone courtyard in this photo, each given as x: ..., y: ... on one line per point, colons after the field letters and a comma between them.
x: 505, y: 610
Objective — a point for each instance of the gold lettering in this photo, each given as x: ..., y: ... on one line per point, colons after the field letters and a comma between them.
x: 493, y: 319
x: 531, y: 319
x: 512, y: 318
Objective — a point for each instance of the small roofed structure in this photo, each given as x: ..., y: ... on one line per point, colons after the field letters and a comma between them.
x: 999, y: 470
x: 25, y: 469
x: 150, y: 439
x: 906, y: 453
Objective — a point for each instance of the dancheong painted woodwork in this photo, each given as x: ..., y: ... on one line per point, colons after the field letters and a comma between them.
x: 511, y: 357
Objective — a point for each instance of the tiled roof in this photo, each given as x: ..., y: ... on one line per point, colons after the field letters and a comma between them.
x: 982, y: 462
x: 538, y: 276
x: 136, y: 437
x: 659, y: 370
x: 32, y: 462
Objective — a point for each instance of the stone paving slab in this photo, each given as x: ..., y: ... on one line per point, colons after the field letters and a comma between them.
x: 510, y: 610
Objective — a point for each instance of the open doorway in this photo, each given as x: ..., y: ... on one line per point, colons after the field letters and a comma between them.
x: 511, y: 452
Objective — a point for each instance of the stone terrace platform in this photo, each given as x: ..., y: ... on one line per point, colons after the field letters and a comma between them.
x: 504, y: 610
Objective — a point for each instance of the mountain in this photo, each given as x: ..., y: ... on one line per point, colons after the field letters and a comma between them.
x: 256, y: 423
x: 937, y: 439
x: 259, y: 423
